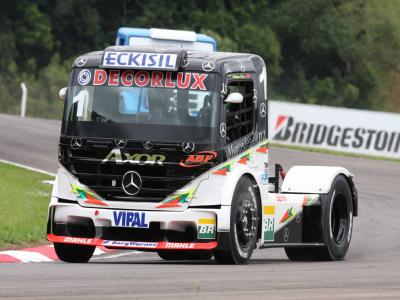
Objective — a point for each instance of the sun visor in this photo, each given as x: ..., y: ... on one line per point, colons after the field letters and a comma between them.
x: 148, y: 60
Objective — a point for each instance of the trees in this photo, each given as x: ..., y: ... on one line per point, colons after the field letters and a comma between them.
x: 332, y: 52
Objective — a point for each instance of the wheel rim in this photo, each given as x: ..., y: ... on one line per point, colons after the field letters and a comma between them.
x: 340, y: 219
x: 246, y: 223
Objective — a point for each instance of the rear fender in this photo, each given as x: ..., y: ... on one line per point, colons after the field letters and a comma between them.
x: 316, y: 180
x: 311, y: 179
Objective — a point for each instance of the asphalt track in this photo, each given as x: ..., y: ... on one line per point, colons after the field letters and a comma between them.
x: 370, y: 271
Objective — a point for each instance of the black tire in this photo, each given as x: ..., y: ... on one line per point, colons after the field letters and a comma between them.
x: 74, y: 253
x: 244, y: 225
x: 185, y: 255
x: 337, y: 225
x: 305, y: 253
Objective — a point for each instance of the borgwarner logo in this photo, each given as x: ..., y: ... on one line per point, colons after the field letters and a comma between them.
x: 289, y: 130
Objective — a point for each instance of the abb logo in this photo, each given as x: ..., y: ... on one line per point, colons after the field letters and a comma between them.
x: 198, y: 159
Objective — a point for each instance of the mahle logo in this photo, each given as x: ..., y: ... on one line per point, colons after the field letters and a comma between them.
x: 118, y: 157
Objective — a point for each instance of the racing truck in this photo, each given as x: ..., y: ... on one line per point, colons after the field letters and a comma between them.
x: 164, y: 149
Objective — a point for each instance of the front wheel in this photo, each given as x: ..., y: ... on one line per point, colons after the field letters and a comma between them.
x: 337, y: 225
x: 244, y: 225
x: 74, y: 253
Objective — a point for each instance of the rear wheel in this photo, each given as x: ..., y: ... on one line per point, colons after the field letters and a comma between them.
x: 337, y: 225
x: 185, y: 255
x: 74, y: 253
x: 244, y: 226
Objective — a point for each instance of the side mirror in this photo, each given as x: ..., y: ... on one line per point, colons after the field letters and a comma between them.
x: 62, y: 93
x: 234, y: 98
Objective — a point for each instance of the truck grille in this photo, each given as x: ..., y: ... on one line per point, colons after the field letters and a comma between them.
x: 158, y: 180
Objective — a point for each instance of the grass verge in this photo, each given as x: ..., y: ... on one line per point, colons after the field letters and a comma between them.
x: 333, y: 152
x: 23, y: 206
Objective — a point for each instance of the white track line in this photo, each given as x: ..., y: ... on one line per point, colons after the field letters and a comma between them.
x: 51, y: 182
x: 32, y: 256
x: 27, y: 167
x: 27, y: 256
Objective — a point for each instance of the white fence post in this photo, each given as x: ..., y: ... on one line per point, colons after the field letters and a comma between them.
x: 23, y: 99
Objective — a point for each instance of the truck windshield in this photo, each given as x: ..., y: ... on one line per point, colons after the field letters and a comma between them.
x: 123, y: 99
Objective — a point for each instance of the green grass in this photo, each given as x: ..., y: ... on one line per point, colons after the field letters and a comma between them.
x: 23, y: 206
x: 333, y: 152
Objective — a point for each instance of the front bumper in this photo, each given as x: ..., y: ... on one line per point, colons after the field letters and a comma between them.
x: 192, y: 229
x: 131, y: 244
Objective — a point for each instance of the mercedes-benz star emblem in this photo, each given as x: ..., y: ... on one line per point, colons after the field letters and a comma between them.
x: 222, y: 129
x: 286, y: 234
x: 188, y: 147
x: 121, y: 143
x: 263, y: 110
x: 131, y: 183
x: 148, y: 145
x: 227, y: 68
x: 81, y: 61
x: 76, y: 143
x: 208, y: 66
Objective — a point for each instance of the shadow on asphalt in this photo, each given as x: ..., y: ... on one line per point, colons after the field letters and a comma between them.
x: 187, y: 262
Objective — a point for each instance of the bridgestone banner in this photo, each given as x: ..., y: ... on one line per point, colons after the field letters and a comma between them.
x: 343, y: 129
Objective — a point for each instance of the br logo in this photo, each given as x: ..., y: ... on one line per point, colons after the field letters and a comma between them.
x: 206, y: 229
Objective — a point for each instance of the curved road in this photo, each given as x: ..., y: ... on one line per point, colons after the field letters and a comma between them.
x: 371, y: 270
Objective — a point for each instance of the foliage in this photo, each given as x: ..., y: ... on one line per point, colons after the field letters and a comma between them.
x: 332, y: 52
x: 24, y: 199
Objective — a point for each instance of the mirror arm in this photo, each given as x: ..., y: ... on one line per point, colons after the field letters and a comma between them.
x: 62, y: 93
